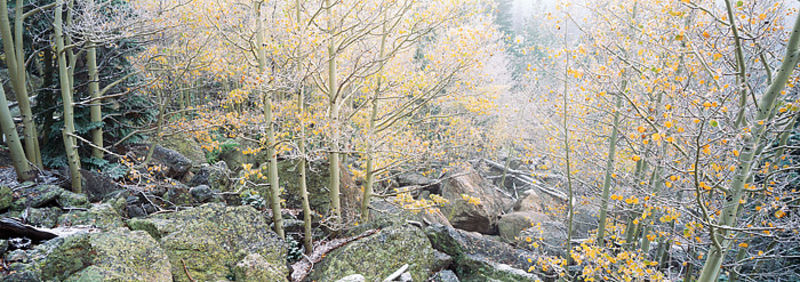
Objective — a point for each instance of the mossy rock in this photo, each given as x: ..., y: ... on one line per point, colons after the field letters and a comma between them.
x: 120, y: 255
x: 379, y: 255
x: 210, y: 240
x: 30, y: 268
x: 475, y: 268
x: 186, y: 146
x: 179, y: 195
x: 445, y: 276
x: 481, y: 217
x: 510, y: 225
x: 316, y: 183
x: 43, y: 217
x: 37, y: 197
x: 475, y: 255
x: 217, y: 176
x: 69, y: 199
x: 103, y: 216
x: 255, y: 268
x: 5, y: 197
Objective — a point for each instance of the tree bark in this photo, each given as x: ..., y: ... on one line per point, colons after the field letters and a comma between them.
x: 272, y: 173
x: 612, y: 153
x: 370, y: 181
x: 18, y: 159
x: 16, y: 72
x: 333, y: 96
x: 307, y: 236
x: 95, y: 110
x: 66, y: 96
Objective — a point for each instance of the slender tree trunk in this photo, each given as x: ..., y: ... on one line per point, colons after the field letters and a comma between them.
x: 18, y: 159
x: 66, y: 96
x: 716, y: 255
x: 72, y: 59
x: 741, y: 75
x: 570, y: 198
x: 307, y: 236
x: 612, y: 153
x: 333, y: 96
x: 272, y: 173
x: 95, y: 110
x: 16, y: 72
x: 373, y: 115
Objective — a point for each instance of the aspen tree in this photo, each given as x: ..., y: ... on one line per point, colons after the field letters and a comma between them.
x: 722, y: 236
x: 15, y: 60
x: 275, y: 203
x: 68, y: 133
x: 301, y: 146
x: 9, y: 129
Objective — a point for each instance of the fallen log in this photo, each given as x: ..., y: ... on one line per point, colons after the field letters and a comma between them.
x: 12, y: 228
x: 500, y: 166
x: 521, y: 176
x: 396, y: 274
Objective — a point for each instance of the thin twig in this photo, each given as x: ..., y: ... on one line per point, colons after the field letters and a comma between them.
x: 187, y: 271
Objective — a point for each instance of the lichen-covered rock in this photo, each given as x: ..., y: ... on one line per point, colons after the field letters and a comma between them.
x: 5, y: 197
x: 417, y: 179
x: 510, y: 225
x: 585, y: 221
x: 201, y: 193
x: 445, y: 276
x: 179, y: 195
x: 385, y: 213
x: 16, y: 256
x: 37, y: 197
x: 118, y: 202
x: 42, y: 217
x: 353, y: 278
x: 119, y: 255
x: 211, y: 239
x: 175, y: 164
x: 379, y: 255
x: 28, y: 263
x: 441, y: 260
x: 470, y: 216
x: 103, y: 216
x: 69, y: 199
x: 255, y: 268
x: 530, y: 201
x: 217, y: 176
x: 549, y: 237
x: 317, y: 186
x: 186, y: 145
x: 98, y: 186
x: 21, y: 276
x: 460, y: 245
x: 476, y: 268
